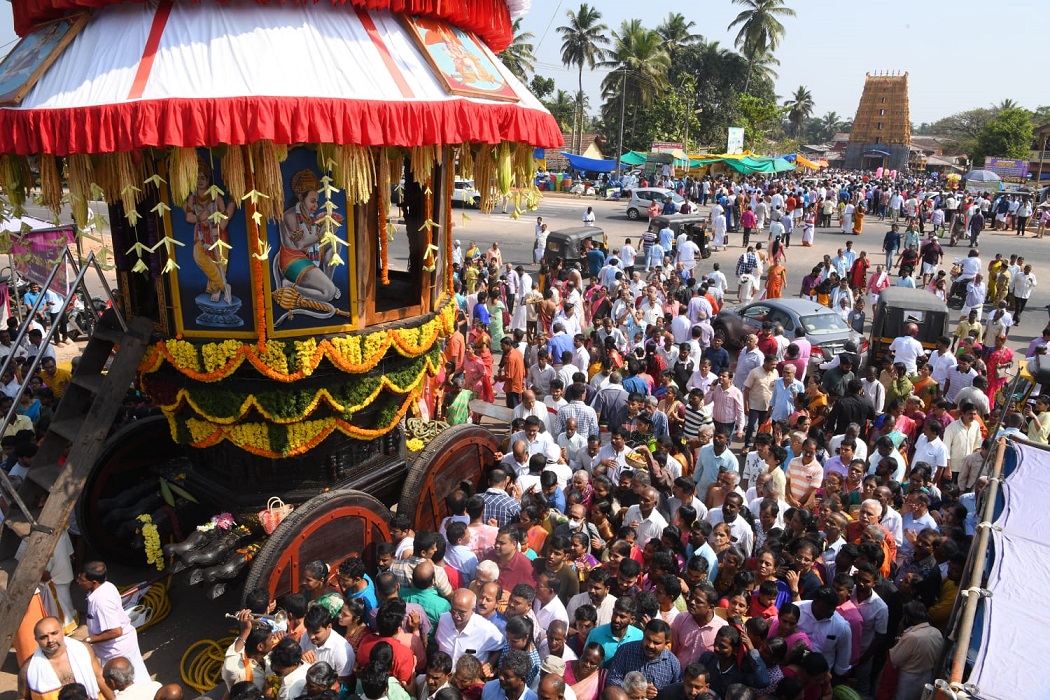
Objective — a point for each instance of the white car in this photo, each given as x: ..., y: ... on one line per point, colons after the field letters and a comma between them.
x: 642, y: 197
x: 464, y: 193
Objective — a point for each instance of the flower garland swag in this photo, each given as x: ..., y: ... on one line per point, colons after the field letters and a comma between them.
x: 291, y: 360
x: 277, y: 440
x: 224, y: 407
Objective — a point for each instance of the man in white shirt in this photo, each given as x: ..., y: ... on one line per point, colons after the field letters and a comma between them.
x: 645, y: 519
x: 547, y: 606
x: 529, y: 407
x: 119, y: 675
x: 829, y: 633
x: 907, y: 349
x: 729, y: 513
x: 538, y: 442
x: 941, y: 360
x: 326, y: 645
x: 461, y: 631
x: 930, y: 449
x: 962, y: 437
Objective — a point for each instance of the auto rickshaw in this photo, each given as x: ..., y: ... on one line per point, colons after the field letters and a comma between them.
x: 567, y: 244
x: 899, y: 306
x: 693, y: 225
x: 1021, y: 388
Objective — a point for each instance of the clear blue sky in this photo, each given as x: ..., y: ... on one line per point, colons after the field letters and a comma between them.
x: 986, y: 48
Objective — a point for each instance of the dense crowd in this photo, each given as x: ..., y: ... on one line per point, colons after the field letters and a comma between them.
x: 671, y: 518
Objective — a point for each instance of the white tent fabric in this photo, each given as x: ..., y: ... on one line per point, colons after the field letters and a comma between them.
x: 1010, y: 662
x: 244, y: 49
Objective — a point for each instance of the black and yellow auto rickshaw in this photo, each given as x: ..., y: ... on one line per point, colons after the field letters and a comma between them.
x: 693, y: 225
x: 567, y: 244
x: 899, y: 306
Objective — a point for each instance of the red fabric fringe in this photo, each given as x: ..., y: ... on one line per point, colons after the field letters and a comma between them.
x: 284, y: 120
x: 489, y: 19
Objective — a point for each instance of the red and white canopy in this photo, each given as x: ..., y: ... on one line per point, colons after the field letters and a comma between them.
x: 201, y: 74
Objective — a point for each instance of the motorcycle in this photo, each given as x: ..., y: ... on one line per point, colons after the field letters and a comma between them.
x: 956, y: 289
x: 79, y: 320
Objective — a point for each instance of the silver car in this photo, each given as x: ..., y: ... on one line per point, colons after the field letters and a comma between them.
x: 825, y: 329
x: 642, y: 197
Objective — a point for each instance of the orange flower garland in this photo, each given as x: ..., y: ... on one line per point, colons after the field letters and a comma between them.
x: 256, y: 257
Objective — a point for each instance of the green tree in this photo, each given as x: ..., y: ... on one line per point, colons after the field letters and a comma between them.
x: 1007, y: 135
x: 583, y: 44
x: 829, y: 125
x: 639, y: 63
x: 1005, y: 105
x: 799, y: 108
x: 760, y: 30
x: 677, y: 33
x: 541, y: 87
x: 563, y: 107
x: 760, y: 119
x: 518, y: 57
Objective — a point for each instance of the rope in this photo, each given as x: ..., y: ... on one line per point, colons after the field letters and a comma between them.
x: 201, y: 665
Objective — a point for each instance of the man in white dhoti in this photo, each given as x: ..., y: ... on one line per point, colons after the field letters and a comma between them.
x: 110, y: 631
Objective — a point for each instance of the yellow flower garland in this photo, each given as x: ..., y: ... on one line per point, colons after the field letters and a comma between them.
x: 302, y: 436
x: 352, y: 354
x: 154, y: 553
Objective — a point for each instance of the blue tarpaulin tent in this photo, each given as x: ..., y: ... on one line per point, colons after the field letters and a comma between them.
x: 592, y: 165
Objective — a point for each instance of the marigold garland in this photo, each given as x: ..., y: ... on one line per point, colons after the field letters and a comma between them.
x: 151, y: 538
x: 288, y: 361
x: 286, y: 407
x: 295, y: 439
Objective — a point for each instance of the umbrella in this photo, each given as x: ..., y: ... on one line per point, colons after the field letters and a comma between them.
x: 981, y: 176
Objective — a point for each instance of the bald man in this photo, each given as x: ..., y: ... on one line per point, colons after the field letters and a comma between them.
x: 645, y: 519
x: 119, y: 675
x: 59, y: 661
x: 553, y: 687
x: 423, y: 593
x: 171, y: 691
x: 460, y: 631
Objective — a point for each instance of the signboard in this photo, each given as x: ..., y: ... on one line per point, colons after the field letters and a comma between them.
x: 735, y: 142
x: 36, y: 252
x: 666, y: 146
x: 1006, y: 168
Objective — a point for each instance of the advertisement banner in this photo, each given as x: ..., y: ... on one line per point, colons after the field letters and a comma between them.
x: 36, y: 252
x: 735, y: 142
x: 666, y: 146
x: 1006, y: 168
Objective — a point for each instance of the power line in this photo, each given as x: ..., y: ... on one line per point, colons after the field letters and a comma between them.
x: 544, y: 35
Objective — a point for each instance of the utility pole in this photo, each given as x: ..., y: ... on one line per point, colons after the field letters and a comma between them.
x: 623, y: 105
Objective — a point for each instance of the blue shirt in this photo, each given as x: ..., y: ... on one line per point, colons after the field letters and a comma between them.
x: 558, y: 344
x: 719, y: 358
x: 482, y: 314
x: 368, y: 595
x: 666, y: 234
x: 783, y: 403
x: 710, y: 466
x: 595, y: 261
x: 602, y: 634
x: 556, y: 500
x: 493, y: 691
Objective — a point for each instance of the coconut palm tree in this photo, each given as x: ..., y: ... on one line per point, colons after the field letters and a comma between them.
x: 518, y: 57
x: 676, y: 32
x: 1006, y: 104
x: 639, y: 63
x: 829, y: 126
x: 583, y: 44
x: 799, y: 108
x: 563, y: 107
x: 760, y: 29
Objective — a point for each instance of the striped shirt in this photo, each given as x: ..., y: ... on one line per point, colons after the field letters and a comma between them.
x: 586, y: 419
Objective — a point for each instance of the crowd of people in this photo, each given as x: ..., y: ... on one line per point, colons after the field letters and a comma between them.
x: 669, y: 518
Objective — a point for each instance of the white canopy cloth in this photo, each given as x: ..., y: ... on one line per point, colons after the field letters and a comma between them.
x: 1009, y: 662
x: 187, y: 74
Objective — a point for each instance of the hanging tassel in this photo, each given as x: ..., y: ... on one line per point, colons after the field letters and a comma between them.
x: 182, y: 173
x: 232, y: 164
x: 79, y: 176
x: 50, y: 182
x: 266, y: 174
x: 383, y: 204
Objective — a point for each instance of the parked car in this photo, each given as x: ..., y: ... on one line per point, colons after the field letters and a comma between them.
x: 825, y: 329
x: 463, y: 191
x: 642, y: 197
x: 567, y: 244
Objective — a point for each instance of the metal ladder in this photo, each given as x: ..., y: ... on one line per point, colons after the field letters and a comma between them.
x: 73, y: 441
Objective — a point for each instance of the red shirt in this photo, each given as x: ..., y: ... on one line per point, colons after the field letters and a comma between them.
x: 518, y: 571
x: 513, y: 371
x: 768, y: 345
x: 404, y: 659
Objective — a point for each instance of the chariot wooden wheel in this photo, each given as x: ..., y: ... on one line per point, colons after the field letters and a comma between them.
x: 459, y: 454
x: 123, y: 470
x: 329, y: 527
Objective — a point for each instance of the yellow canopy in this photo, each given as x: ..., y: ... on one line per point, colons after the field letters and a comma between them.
x: 807, y: 163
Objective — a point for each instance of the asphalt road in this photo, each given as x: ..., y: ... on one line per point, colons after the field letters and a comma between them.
x: 194, y: 617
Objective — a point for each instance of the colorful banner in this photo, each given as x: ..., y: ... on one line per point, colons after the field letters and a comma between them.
x: 735, y: 141
x: 1006, y: 168
x: 36, y: 252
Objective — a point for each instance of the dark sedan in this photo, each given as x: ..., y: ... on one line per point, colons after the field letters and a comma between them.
x: 824, y: 328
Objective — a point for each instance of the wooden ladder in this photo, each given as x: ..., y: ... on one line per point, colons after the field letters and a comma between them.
x: 78, y: 431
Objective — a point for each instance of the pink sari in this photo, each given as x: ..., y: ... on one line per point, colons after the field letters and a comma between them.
x: 589, y: 688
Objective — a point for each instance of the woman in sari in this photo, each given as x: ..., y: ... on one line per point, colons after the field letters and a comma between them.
x: 585, y: 675
x: 495, y: 306
x: 807, y: 228
x: 777, y: 252
x: 477, y: 376
x: 351, y: 616
x: 879, y: 280
x: 999, y: 362
x: 858, y: 219
x: 776, y: 280
x: 816, y: 401
x: 482, y: 342
x: 858, y: 274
